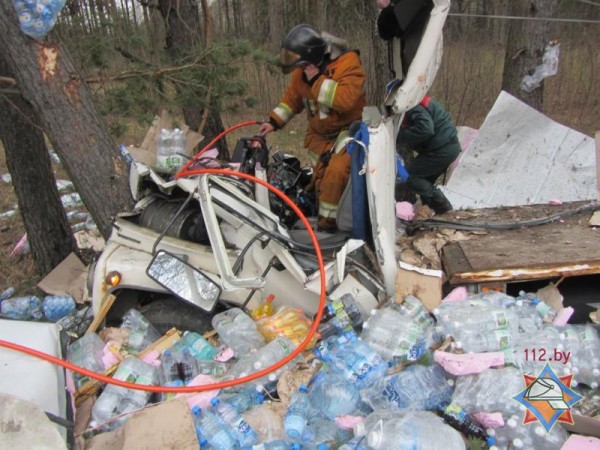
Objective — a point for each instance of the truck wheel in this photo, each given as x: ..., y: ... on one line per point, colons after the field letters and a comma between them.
x: 168, y: 312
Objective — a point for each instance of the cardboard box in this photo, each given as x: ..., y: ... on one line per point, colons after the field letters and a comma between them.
x: 425, y: 284
x: 146, y: 152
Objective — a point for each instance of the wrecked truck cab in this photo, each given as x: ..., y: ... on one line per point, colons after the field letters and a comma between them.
x: 218, y: 230
x: 227, y: 230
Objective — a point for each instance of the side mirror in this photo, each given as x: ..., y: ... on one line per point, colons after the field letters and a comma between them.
x: 183, y: 280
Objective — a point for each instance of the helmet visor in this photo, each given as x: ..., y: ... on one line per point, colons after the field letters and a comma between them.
x: 289, y: 60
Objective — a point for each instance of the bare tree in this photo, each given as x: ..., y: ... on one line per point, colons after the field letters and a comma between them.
x: 48, y: 231
x: 60, y: 99
x: 525, y: 47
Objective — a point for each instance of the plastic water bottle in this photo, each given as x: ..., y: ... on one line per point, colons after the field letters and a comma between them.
x: 489, y: 390
x: 56, y: 307
x: 239, y: 428
x: 356, y: 361
x: 486, y: 341
x: 116, y: 400
x: 7, y: 293
x: 238, y: 331
x: 416, y: 429
x: 199, y: 347
x: 514, y: 435
x: 22, y: 308
x: 455, y: 416
x: 169, y: 373
x: 588, y: 358
x: 141, y: 332
x: 545, y: 311
x: 212, y: 368
x: 416, y: 387
x: 324, y: 434
x: 413, y: 307
x: 277, y: 444
x: 394, y: 336
x: 341, y: 315
x: 178, y: 149
x: 163, y: 150
x: 86, y: 352
x: 332, y: 395
x: 264, y: 357
x: 211, y: 428
x: 245, y: 400
x: 297, y: 413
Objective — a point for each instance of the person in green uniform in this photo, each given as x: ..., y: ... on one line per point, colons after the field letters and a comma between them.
x: 429, y: 131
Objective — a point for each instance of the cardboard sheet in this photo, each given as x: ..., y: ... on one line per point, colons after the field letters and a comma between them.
x: 68, y: 278
x: 521, y: 157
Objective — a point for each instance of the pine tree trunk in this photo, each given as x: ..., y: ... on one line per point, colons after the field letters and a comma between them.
x: 525, y: 48
x: 60, y: 99
x: 48, y: 231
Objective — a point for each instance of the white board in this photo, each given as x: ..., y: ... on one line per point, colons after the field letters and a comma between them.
x: 521, y: 157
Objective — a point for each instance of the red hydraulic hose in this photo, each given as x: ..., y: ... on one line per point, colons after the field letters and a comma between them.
x: 222, y: 384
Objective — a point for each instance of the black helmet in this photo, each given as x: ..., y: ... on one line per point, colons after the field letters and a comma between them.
x: 302, y: 45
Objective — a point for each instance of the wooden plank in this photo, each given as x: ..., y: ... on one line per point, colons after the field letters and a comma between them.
x: 454, y: 261
x: 569, y: 247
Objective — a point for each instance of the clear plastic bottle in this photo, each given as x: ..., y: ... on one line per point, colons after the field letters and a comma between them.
x: 264, y: 357
x: 277, y: 444
x: 324, y: 434
x: 116, y: 400
x: 56, y: 307
x: 394, y: 336
x: 87, y: 353
x: 416, y: 387
x: 357, y: 362
x: 7, y: 293
x: 169, y: 373
x: 455, y: 416
x: 332, y: 395
x: 486, y: 341
x: 163, y: 150
x: 417, y: 429
x: 297, y: 414
x: 588, y: 357
x: 141, y: 332
x: 211, y: 428
x: 238, y: 331
x: 212, y: 368
x: 22, y: 308
x: 341, y: 315
x: 199, y: 347
x: 178, y: 149
x: 413, y: 307
x: 239, y: 428
x: 245, y: 400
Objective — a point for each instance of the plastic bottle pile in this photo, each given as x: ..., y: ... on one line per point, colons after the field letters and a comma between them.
x: 376, y: 386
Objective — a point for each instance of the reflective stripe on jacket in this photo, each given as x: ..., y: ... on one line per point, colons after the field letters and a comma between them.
x: 333, y: 101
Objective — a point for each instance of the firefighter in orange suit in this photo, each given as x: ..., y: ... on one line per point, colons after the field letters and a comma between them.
x: 328, y: 81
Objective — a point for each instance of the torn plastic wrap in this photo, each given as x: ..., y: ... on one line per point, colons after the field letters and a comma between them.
x: 37, y: 17
x: 548, y: 67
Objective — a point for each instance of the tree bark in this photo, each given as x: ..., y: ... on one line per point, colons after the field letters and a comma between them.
x: 525, y: 48
x: 48, y: 231
x: 60, y: 99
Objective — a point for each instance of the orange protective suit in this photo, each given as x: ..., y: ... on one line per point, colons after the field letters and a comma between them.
x: 333, y: 100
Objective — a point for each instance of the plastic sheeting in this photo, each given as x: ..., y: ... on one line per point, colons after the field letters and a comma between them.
x: 521, y: 157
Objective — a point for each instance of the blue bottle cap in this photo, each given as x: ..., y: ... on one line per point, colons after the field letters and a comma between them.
x: 260, y: 397
x: 196, y: 410
x: 167, y: 352
x: 214, y: 401
x: 302, y: 388
x: 491, y: 440
x: 295, y: 446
